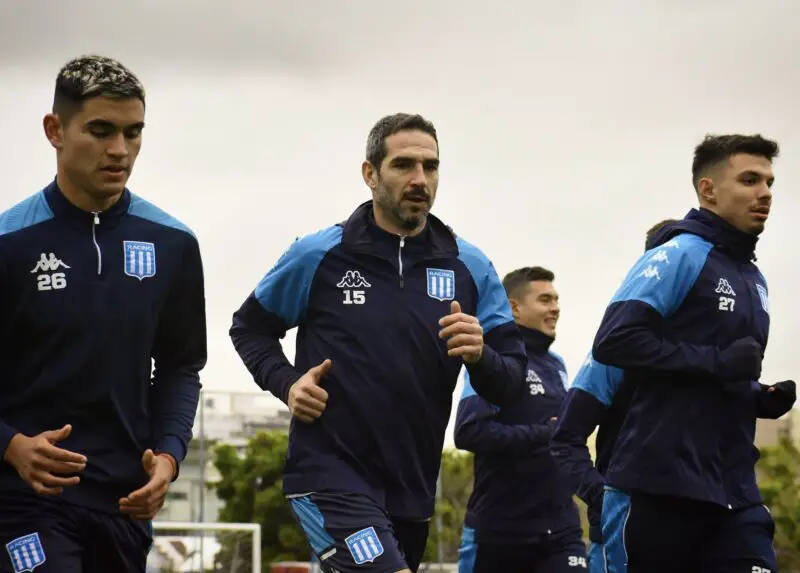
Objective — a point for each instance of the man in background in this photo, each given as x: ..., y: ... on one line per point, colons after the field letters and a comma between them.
x: 521, y: 517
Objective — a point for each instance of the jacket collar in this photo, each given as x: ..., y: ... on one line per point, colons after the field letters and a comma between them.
x: 63, y: 209
x: 362, y: 234
x: 536, y: 341
x: 713, y: 228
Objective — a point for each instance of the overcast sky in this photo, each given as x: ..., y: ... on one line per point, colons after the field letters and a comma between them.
x: 566, y: 128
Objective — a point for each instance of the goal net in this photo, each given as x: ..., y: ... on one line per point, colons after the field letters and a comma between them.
x: 187, y: 547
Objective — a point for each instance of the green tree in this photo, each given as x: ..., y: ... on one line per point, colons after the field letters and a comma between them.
x: 251, y: 488
x: 456, y: 482
x: 779, y: 482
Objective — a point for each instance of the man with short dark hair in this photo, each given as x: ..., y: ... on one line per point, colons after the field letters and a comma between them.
x: 389, y: 306
x: 594, y: 402
x: 521, y: 516
x: 687, y: 330
x: 96, y: 285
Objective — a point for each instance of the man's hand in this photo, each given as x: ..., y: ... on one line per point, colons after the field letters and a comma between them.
x: 787, y: 389
x: 463, y: 333
x: 743, y: 359
x: 777, y: 399
x: 41, y: 464
x: 307, y: 399
x: 146, y: 502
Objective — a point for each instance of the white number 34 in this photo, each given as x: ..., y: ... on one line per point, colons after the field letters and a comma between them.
x: 577, y: 561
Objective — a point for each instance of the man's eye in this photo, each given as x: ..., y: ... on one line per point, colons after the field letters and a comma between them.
x: 99, y: 132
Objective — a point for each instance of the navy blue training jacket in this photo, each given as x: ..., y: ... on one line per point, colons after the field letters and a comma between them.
x: 690, y: 425
x: 371, y: 301
x: 598, y: 399
x: 87, y: 305
x: 518, y: 493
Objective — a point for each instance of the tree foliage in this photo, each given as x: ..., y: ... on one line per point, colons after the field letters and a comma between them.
x: 779, y: 482
x: 456, y: 484
x: 252, y: 491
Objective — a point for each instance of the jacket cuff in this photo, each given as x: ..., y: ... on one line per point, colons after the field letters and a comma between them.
x: 6, y: 433
x: 173, y: 446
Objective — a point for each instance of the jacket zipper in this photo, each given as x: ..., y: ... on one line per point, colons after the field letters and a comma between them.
x: 96, y: 245
x: 400, y: 259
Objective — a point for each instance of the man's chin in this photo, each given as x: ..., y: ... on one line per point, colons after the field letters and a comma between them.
x: 757, y: 228
x: 413, y: 221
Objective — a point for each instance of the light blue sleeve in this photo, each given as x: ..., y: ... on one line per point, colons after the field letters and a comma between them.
x: 663, y: 276
x: 31, y: 211
x: 493, y: 306
x: 599, y: 380
x: 145, y: 210
x: 285, y: 289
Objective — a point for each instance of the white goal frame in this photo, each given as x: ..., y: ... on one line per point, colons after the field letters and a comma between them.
x: 253, y: 528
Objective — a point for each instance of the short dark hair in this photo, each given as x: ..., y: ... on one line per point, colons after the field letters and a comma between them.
x: 87, y: 77
x: 655, y: 229
x: 715, y: 149
x: 391, y: 124
x: 518, y: 279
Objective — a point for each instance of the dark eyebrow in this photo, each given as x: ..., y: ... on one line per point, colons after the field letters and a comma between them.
x: 104, y: 123
x: 758, y: 175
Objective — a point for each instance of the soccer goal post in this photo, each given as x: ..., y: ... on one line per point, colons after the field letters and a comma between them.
x: 194, y: 547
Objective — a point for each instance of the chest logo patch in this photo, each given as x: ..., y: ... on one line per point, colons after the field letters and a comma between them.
x: 441, y: 284
x: 140, y: 259
x: 762, y: 294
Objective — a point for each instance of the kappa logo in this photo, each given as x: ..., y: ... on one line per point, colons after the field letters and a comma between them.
x: 26, y: 553
x: 140, y: 259
x: 353, y: 284
x: 532, y: 376
x: 365, y: 546
x: 49, y: 264
x: 441, y: 284
x: 724, y: 287
x: 660, y: 257
x: 353, y: 279
x: 650, y: 272
x: 48, y: 278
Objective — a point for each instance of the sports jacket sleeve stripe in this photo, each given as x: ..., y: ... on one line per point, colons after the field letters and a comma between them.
x: 499, y: 377
x: 278, y: 304
x: 629, y: 334
x: 477, y: 430
x: 179, y: 353
x: 587, y: 401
